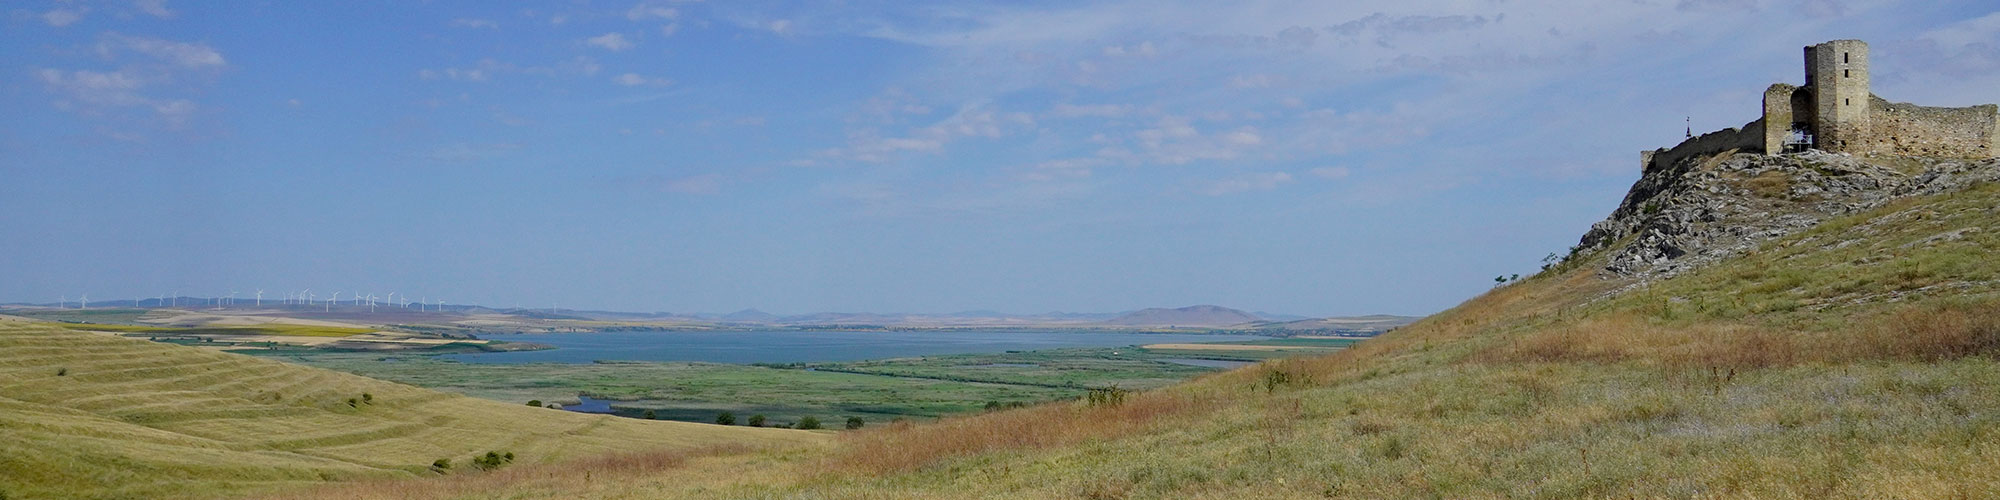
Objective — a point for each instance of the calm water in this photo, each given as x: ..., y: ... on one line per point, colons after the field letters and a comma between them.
x: 794, y: 346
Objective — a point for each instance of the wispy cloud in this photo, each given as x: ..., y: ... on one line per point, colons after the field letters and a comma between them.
x: 155, y: 8
x: 635, y: 79
x: 610, y: 41
x: 63, y: 17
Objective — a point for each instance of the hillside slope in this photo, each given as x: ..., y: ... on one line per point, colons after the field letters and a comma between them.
x: 87, y: 415
x: 1848, y: 357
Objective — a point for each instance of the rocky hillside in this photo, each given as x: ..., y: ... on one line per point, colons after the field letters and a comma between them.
x: 1705, y: 209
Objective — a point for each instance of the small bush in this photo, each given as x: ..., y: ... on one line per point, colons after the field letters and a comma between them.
x: 1108, y: 396
x: 855, y: 423
x: 535, y: 403
x: 725, y: 418
x: 650, y: 415
x: 353, y: 403
x: 441, y: 466
x: 757, y: 420
x: 808, y: 423
x: 492, y: 460
x: 368, y: 398
x: 62, y: 372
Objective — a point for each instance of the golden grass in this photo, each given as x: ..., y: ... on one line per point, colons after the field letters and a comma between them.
x: 572, y: 475
x: 278, y: 329
x: 85, y: 415
x: 1918, y: 333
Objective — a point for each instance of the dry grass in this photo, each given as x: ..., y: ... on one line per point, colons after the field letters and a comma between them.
x: 903, y: 446
x: 572, y: 475
x: 1920, y: 333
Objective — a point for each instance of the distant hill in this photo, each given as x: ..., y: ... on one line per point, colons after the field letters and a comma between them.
x: 750, y: 316
x: 1200, y: 316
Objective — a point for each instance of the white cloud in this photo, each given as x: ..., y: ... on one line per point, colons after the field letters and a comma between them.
x: 783, y: 27
x: 474, y: 23
x: 1254, y: 181
x: 155, y: 8
x: 486, y: 69
x: 610, y: 41
x: 634, y: 79
x: 63, y: 17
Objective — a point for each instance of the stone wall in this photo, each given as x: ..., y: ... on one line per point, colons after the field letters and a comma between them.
x: 1749, y: 139
x: 1905, y: 129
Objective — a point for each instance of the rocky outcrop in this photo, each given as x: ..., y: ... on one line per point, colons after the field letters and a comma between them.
x: 1703, y: 209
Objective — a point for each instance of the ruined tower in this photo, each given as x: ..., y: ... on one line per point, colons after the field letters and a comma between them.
x: 1837, y: 72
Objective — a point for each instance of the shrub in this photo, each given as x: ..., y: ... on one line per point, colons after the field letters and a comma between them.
x: 441, y: 466
x: 725, y: 418
x: 757, y: 420
x: 62, y: 372
x: 368, y: 398
x: 651, y: 416
x: 808, y: 423
x: 1108, y: 396
x: 535, y: 403
x: 855, y: 423
x: 353, y: 403
x: 492, y: 460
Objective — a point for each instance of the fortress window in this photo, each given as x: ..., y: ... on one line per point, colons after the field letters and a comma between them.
x: 1847, y: 102
x: 1843, y: 58
x: 1846, y: 73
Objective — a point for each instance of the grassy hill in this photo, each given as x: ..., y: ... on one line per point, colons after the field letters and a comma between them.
x: 1854, y: 358
x: 92, y: 415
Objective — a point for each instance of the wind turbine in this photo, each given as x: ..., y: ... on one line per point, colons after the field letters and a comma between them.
x: 371, y: 303
x: 392, y: 298
x: 260, y: 297
x: 86, y: 302
x: 232, y: 298
x: 62, y: 302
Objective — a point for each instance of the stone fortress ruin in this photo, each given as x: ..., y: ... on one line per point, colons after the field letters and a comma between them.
x: 1835, y: 112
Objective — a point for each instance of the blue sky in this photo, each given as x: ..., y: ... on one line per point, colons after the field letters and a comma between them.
x: 1304, y: 157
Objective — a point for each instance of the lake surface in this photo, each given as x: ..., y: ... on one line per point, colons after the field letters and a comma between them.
x: 796, y: 346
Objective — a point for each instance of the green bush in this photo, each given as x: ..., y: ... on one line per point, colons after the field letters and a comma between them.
x: 441, y: 466
x: 757, y: 420
x: 1108, y: 396
x: 725, y: 418
x: 492, y: 460
x: 649, y: 415
x: 368, y: 398
x: 535, y: 403
x: 855, y: 423
x: 62, y: 372
x: 808, y: 423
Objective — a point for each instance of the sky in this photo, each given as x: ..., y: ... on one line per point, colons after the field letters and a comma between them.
x: 1299, y: 157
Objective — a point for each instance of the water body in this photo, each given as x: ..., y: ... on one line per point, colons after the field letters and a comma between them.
x: 743, y: 347
x: 586, y: 405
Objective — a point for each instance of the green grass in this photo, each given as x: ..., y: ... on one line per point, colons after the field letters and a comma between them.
x: 90, y: 415
x: 1075, y: 368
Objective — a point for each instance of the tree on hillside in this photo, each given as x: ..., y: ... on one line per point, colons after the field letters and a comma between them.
x: 725, y: 418
x: 855, y: 423
x: 535, y: 403
x: 808, y: 423
x: 757, y: 420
